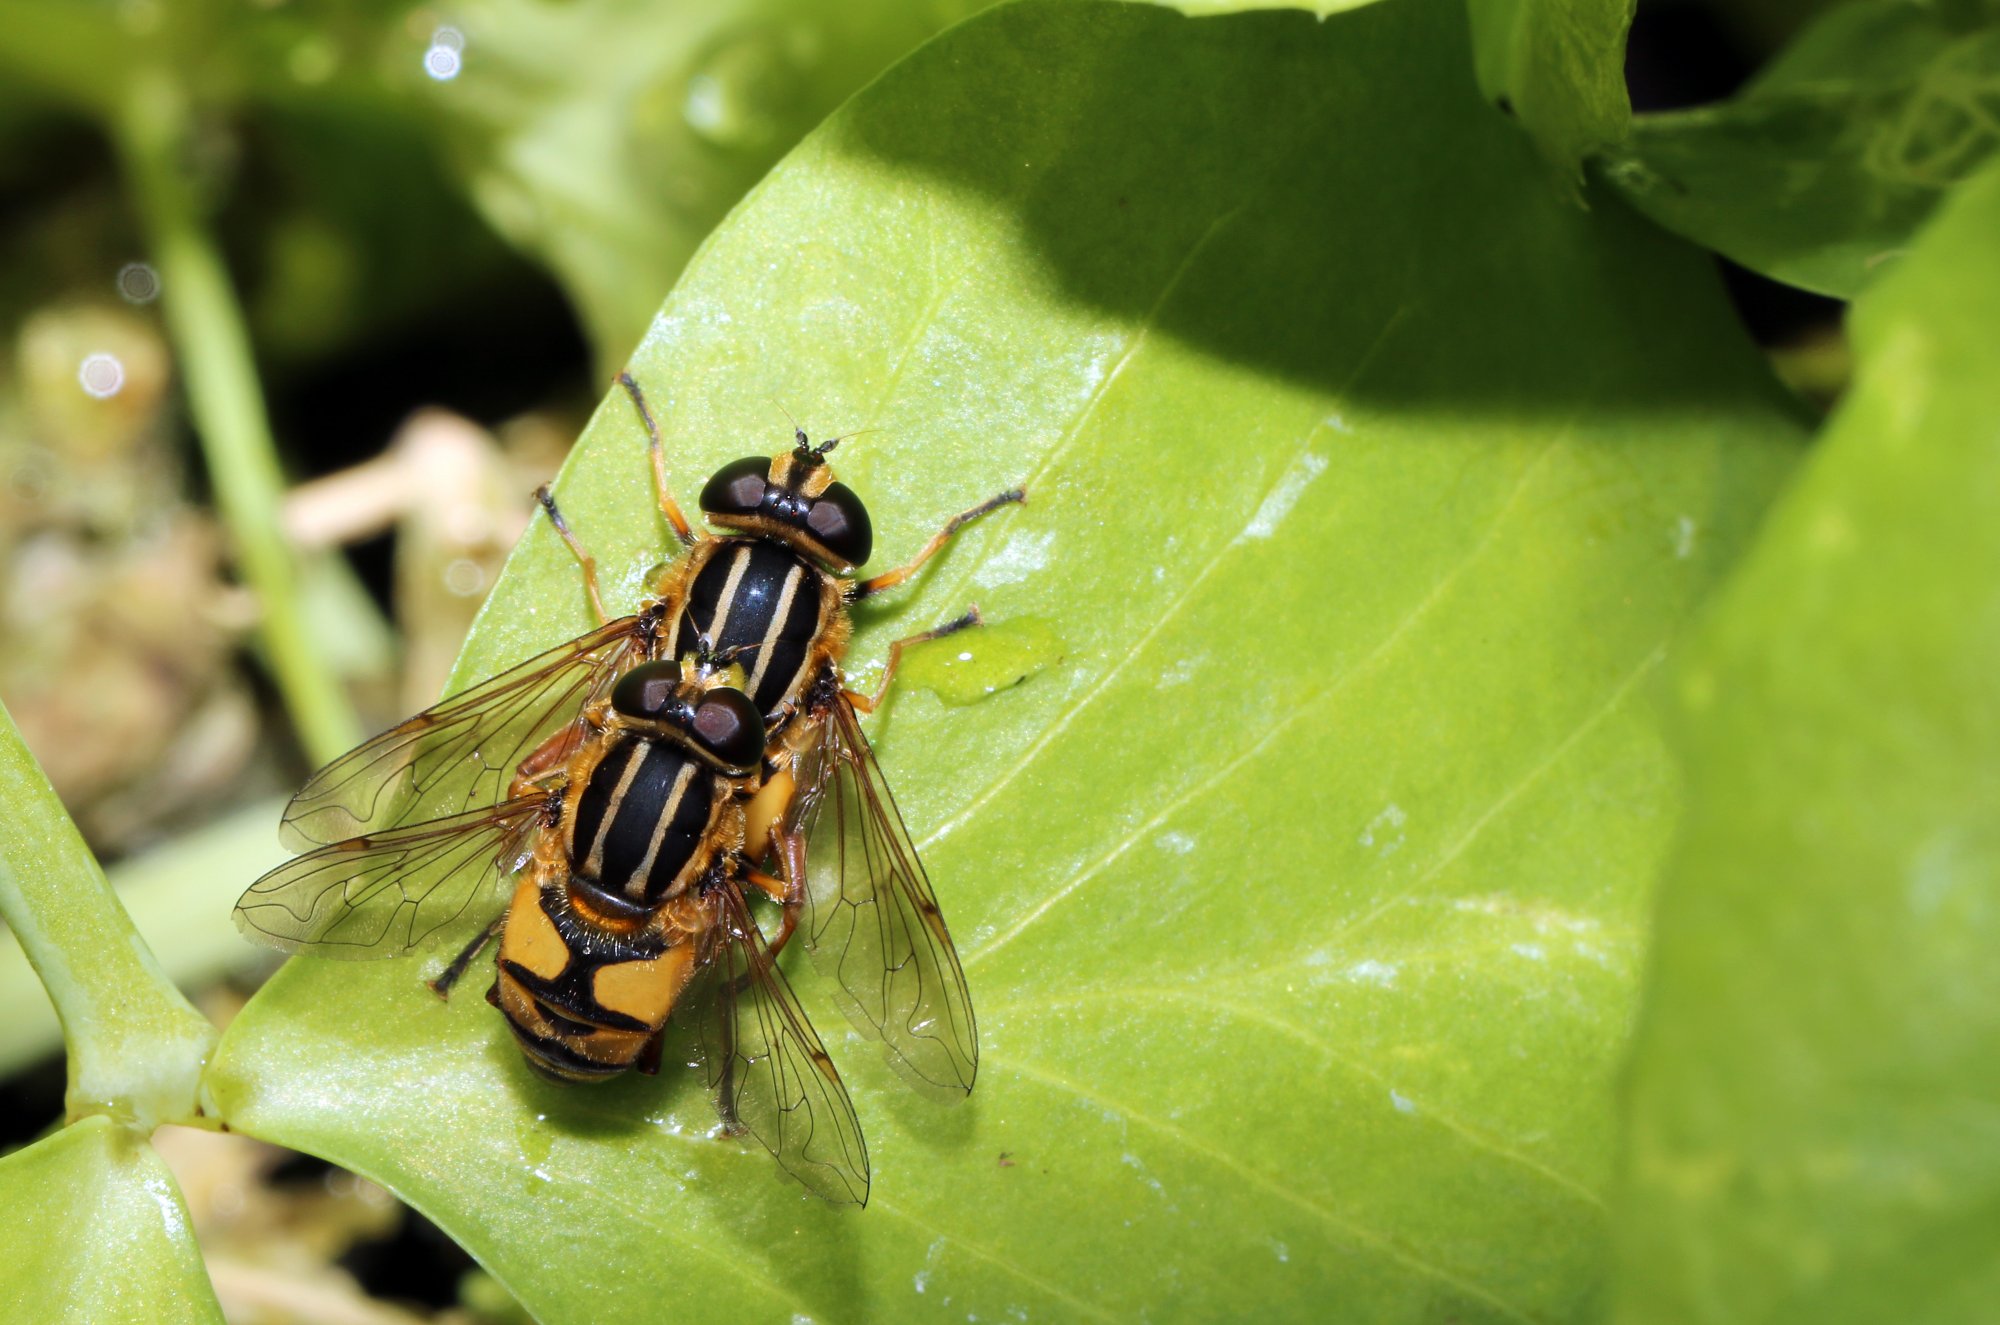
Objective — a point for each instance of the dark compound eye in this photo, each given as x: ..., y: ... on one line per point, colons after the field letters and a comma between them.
x: 738, y: 487
x: 840, y: 522
x: 648, y: 691
x: 729, y: 727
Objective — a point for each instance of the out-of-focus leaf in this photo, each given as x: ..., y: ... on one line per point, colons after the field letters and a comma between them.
x: 1816, y: 1097
x: 96, y: 1232
x: 1821, y: 169
x: 1212, y: 8
x: 1301, y: 888
x: 1558, y: 66
x: 609, y: 136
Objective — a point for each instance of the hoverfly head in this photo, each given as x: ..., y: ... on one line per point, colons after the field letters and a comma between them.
x: 793, y: 498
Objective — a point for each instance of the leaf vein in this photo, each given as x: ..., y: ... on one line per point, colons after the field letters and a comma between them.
x: 1277, y: 729
x: 998, y: 1262
x: 1189, y: 589
x: 1389, y: 1247
x: 1507, y: 798
x: 1199, y: 994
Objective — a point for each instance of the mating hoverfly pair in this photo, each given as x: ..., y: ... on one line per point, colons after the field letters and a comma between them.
x: 638, y: 780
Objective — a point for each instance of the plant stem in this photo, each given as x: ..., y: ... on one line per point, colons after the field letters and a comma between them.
x: 212, y: 346
x: 136, y: 1047
x: 178, y: 895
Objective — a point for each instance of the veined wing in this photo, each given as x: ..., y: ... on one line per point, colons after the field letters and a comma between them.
x: 771, y: 1074
x: 405, y: 890
x: 461, y: 753
x: 871, y: 918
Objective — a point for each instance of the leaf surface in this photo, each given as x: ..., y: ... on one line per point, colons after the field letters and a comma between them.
x: 96, y: 1231
x: 1300, y: 882
x: 1815, y: 1091
x: 1819, y: 172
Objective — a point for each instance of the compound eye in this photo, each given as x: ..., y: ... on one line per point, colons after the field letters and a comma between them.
x: 840, y: 522
x: 738, y: 487
x: 648, y: 691
x: 729, y: 727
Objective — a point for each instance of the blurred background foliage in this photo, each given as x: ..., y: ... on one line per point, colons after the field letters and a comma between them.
x: 440, y: 227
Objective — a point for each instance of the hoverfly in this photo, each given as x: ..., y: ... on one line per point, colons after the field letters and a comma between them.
x: 631, y: 883
x: 776, y: 584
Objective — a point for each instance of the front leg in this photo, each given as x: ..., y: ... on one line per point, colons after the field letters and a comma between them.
x: 553, y: 755
x: 890, y: 579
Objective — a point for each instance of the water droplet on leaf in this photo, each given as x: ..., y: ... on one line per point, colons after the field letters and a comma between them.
x: 973, y: 664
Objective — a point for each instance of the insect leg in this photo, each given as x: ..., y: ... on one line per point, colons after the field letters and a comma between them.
x: 649, y: 1053
x: 868, y: 703
x: 450, y: 975
x: 890, y: 579
x: 668, y: 506
x: 789, y: 896
x: 583, y: 559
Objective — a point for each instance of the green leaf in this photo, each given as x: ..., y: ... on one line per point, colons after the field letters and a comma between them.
x: 1556, y: 65
x: 610, y: 136
x: 95, y: 1231
x: 1815, y: 1087
x: 1559, y: 67
x: 1301, y: 888
x: 136, y: 1047
x: 1822, y: 168
x: 178, y: 897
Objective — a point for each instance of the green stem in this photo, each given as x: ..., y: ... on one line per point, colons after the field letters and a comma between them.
x: 136, y: 1047
x: 178, y: 895
x: 212, y: 346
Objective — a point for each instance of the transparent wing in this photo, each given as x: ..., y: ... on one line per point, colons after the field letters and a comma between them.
x: 770, y: 1073
x: 463, y: 752
x: 871, y: 920
x: 406, y: 890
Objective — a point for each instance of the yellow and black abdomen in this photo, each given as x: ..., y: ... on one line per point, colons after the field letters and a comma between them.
x: 583, y: 998
x: 640, y: 827
x: 765, y: 600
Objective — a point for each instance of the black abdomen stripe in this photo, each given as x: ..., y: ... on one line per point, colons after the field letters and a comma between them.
x: 759, y: 597
x: 641, y: 819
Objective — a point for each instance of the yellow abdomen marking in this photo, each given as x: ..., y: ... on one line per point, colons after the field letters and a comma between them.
x: 530, y: 939
x: 645, y: 991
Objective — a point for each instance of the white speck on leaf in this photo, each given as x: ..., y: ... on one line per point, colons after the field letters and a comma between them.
x: 1683, y: 536
x: 1385, y: 828
x: 1278, y: 503
x: 1178, y: 843
x: 1024, y: 554
x: 1373, y: 972
x: 1532, y: 951
x: 1402, y: 1102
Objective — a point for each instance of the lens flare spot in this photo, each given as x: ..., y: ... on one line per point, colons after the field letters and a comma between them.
x: 101, y: 375
x: 138, y: 283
